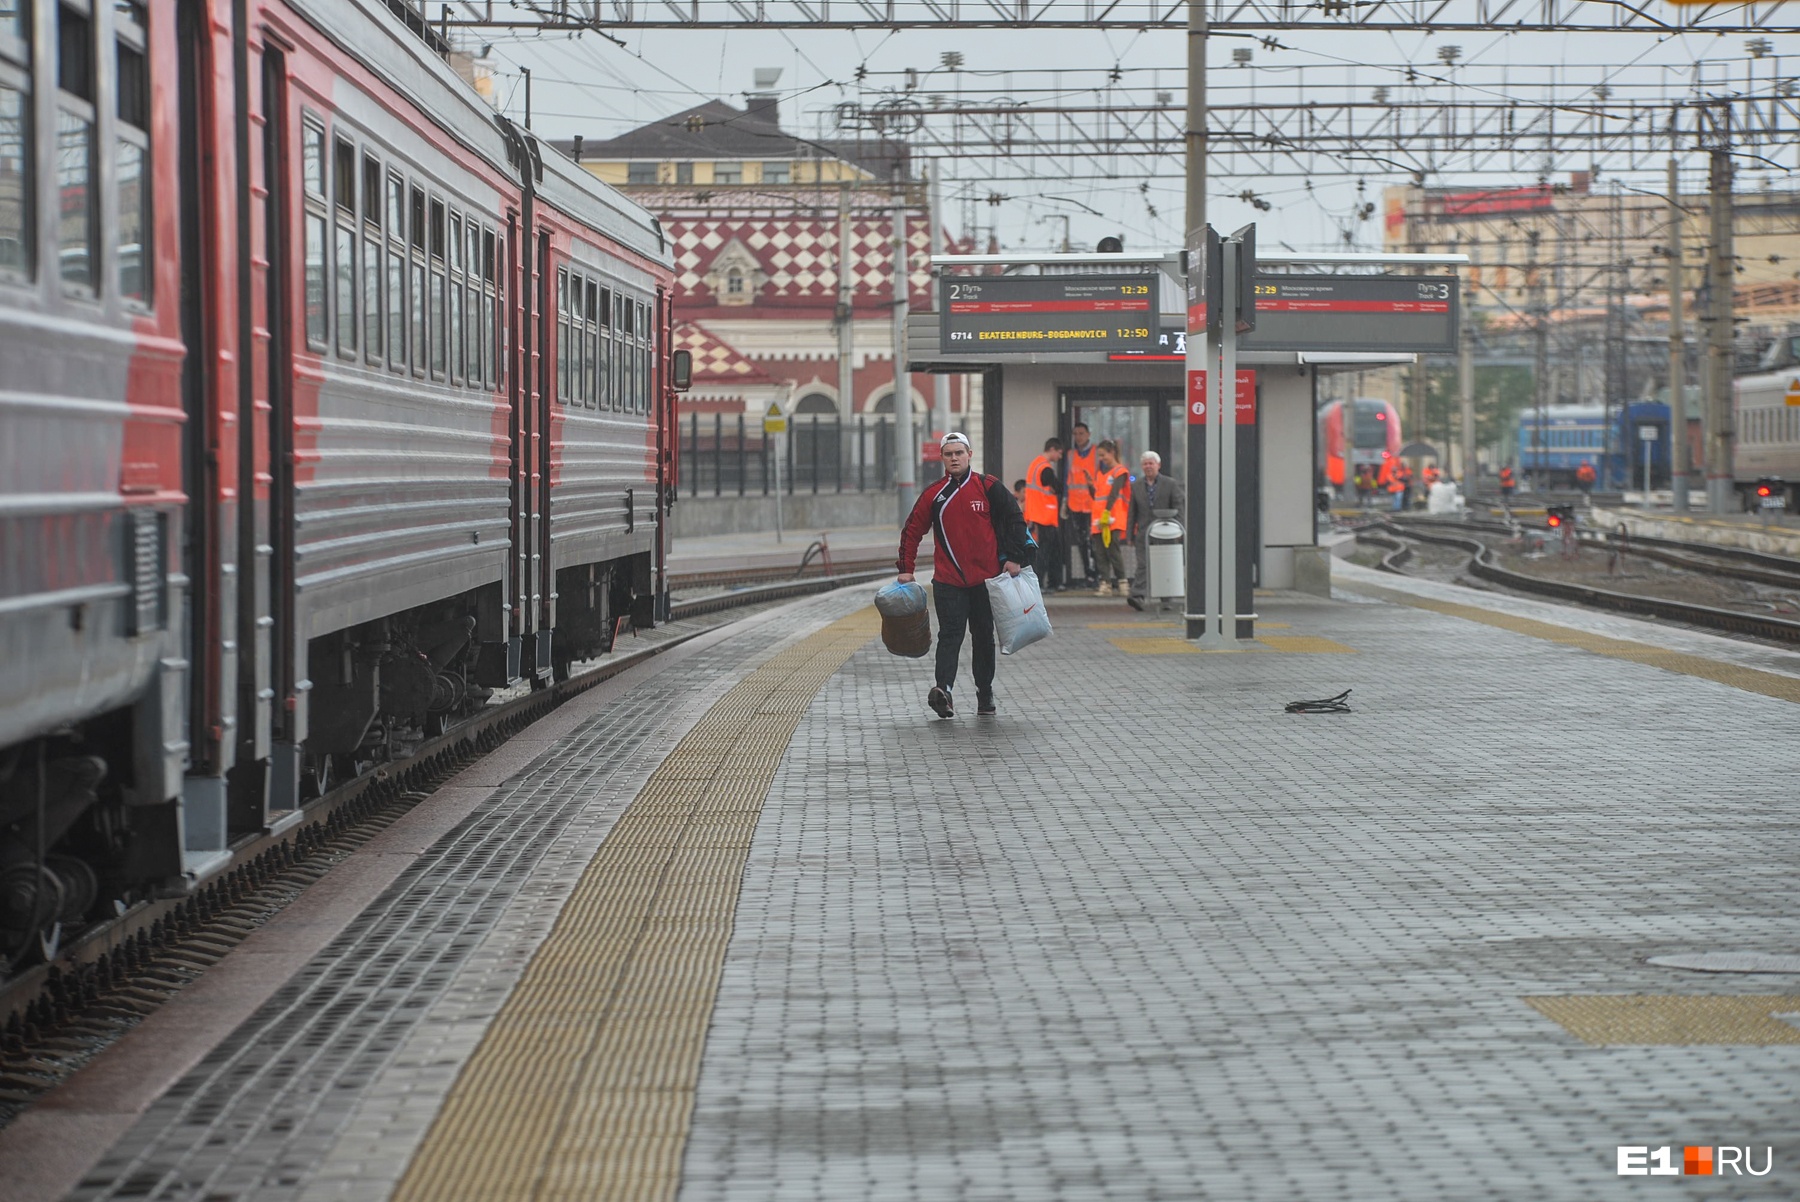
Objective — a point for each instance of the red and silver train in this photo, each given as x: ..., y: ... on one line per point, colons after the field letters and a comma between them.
x: 1374, y: 437
x: 330, y: 402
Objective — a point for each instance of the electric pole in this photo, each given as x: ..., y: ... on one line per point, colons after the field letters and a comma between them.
x: 1721, y: 279
x: 1540, y: 331
x: 846, y: 335
x: 906, y: 478
x: 1678, y: 442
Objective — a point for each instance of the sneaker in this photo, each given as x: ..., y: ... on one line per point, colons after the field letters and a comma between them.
x: 1136, y: 603
x: 939, y: 700
x: 984, y: 705
x: 1105, y: 589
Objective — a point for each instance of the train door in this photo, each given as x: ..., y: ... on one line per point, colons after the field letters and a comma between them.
x: 280, y: 650
x: 209, y: 455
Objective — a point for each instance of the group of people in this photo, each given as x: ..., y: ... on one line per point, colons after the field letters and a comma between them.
x: 1081, y: 499
x: 1089, y: 505
x: 1394, y: 479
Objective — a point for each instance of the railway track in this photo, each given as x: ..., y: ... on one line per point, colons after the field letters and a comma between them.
x: 56, y: 1015
x: 1744, y: 565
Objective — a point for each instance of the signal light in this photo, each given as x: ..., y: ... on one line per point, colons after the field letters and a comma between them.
x: 1558, y: 516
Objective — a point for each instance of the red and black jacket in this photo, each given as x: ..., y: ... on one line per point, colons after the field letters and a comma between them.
x: 975, y: 526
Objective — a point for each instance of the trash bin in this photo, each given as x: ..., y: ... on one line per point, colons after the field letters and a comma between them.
x: 1168, y: 559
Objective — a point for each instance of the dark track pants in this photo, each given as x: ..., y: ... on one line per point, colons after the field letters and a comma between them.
x: 1077, y: 526
x: 960, y: 610
x: 1052, y: 559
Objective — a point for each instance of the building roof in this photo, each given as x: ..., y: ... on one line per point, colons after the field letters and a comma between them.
x: 715, y: 360
x: 716, y: 130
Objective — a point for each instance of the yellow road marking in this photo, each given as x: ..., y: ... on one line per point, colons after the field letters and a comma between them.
x: 583, y: 1087
x: 1672, y: 1020
x: 1751, y: 680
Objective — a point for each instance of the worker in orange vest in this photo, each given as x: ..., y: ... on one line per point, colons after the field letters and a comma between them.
x: 1111, y: 493
x: 1584, y: 477
x: 1395, y: 476
x: 1507, y: 483
x: 1078, y: 476
x: 1041, y: 508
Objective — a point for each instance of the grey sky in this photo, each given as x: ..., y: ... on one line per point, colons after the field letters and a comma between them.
x: 588, y: 85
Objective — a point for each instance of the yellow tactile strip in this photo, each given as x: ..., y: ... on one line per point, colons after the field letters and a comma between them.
x: 1672, y: 1020
x: 583, y: 1086
x: 1751, y: 680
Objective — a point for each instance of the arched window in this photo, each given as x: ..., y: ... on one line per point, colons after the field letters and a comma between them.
x: 734, y: 282
x: 885, y: 404
x: 816, y: 402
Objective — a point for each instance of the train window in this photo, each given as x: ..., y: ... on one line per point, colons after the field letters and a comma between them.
x: 131, y: 160
x: 75, y: 175
x: 315, y: 281
x: 74, y: 192
x: 439, y: 307
x: 415, y: 299
x: 16, y: 242
x: 134, y: 87
x: 415, y: 280
x: 346, y: 291
x: 456, y: 300
x: 606, y: 308
x: 312, y: 159
x: 609, y: 355
x: 562, y: 335
x: 472, y: 333
x: 344, y: 175
x: 590, y: 390
x: 578, y: 365
x: 15, y: 27
x: 371, y: 299
x: 492, y: 329
x: 395, y: 277
x: 396, y: 208
x: 74, y: 52
x: 371, y: 191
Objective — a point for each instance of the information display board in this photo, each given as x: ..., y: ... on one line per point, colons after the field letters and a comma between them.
x: 1354, y: 313
x: 1034, y: 314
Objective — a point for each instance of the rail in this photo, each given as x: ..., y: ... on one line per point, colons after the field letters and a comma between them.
x: 94, y: 962
x: 1481, y: 565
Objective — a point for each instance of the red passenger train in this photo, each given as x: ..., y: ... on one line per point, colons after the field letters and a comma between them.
x: 329, y: 403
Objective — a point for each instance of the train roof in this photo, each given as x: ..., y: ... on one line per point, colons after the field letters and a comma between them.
x: 370, y: 32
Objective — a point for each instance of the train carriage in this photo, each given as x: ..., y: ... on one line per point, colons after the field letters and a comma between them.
x: 332, y: 401
x: 1768, y: 431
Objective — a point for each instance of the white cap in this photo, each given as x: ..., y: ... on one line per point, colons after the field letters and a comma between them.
x: 953, y: 437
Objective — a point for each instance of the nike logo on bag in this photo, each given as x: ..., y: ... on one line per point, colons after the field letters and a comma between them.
x: 1029, y: 608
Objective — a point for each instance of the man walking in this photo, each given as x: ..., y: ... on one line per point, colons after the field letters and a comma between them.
x: 1150, y: 492
x: 1107, y: 522
x: 1079, y: 503
x: 1040, y: 507
x: 977, y: 530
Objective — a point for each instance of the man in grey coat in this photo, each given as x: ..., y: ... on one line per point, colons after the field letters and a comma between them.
x: 1150, y: 492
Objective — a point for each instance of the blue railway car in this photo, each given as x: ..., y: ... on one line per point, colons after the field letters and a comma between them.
x: 1555, y: 441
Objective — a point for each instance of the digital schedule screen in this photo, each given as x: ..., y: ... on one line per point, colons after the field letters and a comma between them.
x: 1032, y: 314
x: 1354, y: 313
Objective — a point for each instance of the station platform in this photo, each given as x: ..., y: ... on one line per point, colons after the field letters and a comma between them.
x: 749, y: 922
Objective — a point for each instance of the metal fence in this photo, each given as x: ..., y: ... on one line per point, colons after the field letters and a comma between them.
x: 730, y: 455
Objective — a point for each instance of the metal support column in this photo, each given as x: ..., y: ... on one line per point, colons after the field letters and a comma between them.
x: 1678, y: 443
x: 1721, y: 279
x: 906, y: 480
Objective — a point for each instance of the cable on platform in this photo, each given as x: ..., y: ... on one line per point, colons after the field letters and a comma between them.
x: 1339, y: 704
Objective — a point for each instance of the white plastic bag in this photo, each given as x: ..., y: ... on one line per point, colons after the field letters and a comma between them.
x: 1444, y: 498
x: 1019, y: 616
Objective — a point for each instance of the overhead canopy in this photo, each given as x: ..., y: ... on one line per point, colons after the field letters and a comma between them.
x: 1418, y: 450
